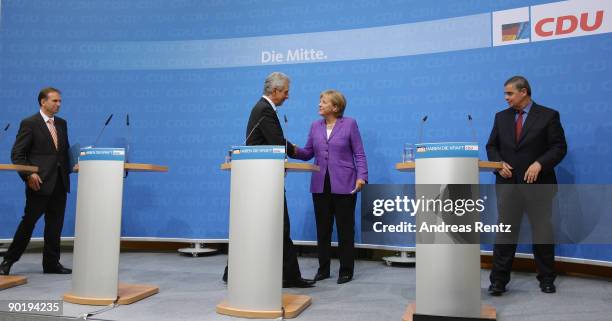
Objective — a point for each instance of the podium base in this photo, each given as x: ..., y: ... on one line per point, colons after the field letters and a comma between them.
x: 9, y: 281
x: 292, y: 304
x: 404, y: 258
x: 487, y: 313
x: 196, y: 250
x: 128, y: 294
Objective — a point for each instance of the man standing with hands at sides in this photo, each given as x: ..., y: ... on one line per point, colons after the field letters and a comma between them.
x: 264, y: 128
x: 529, y: 141
x: 42, y: 141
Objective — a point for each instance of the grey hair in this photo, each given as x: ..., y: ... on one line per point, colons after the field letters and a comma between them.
x: 275, y: 80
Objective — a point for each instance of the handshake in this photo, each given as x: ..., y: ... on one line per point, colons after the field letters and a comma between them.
x: 293, y: 153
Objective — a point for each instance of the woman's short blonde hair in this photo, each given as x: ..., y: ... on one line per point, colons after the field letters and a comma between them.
x: 337, y: 99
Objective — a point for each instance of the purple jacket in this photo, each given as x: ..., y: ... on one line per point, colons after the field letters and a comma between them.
x: 342, y: 155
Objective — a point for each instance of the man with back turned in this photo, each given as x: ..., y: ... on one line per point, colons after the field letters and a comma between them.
x: 42, y: 141
x: 529, y: 141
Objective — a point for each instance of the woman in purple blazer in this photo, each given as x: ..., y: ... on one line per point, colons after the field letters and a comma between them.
x: 336, y: 145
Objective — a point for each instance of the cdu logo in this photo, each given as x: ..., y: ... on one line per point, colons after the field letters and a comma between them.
x: 551, y: 21
x: 570, y: 19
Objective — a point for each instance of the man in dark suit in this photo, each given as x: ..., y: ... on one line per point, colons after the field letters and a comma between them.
x: 42, y: 141
x: 529, y: 141
x: 264, y: 128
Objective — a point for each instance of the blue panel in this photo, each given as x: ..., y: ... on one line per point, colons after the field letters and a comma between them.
x: 188, y: 73
x: 446, y: 150
x: 112, y: 154
x: 258, y: 152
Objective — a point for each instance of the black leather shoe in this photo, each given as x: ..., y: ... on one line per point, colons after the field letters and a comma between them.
x: 496, y: 289
x: 344, y: 278
x: 57, y: 269
x: 224, y: 278
x: 548, y: 288
x: 321, y: 276
x: 5, y: 267
x: 299, y: 283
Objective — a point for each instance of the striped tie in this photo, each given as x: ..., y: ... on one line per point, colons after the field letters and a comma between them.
x: 519, y: 125
x: 53, y: 132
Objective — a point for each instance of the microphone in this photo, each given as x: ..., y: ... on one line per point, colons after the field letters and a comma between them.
x: 286, y: 151
x: 421, y: 129
x: 4, y: 131
x: 472, y: 128
x: 252, y: 130
x: 102, y: 130
x: 127, y: 142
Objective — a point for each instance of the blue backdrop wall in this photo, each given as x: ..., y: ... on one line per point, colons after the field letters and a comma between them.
x: 188, y: 73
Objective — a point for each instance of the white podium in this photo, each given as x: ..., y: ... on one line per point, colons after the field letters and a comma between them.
x: 9, y: 281
x: 255, y: 257
x: 447, y: 275
x: 98, y: 230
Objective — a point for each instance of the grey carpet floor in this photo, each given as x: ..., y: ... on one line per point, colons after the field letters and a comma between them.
x: 190, y: 288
